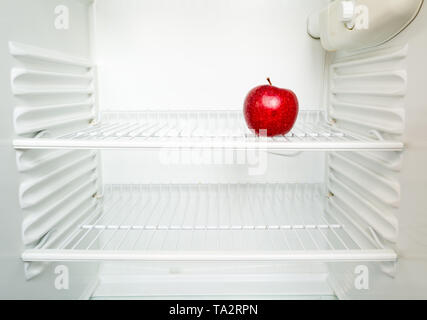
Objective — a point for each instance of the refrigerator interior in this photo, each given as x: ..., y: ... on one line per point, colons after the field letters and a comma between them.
x: 135, y: 169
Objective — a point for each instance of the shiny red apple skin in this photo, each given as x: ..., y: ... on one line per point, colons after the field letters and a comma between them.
x: 271, y: 108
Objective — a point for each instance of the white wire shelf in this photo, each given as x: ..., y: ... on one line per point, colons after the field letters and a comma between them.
x: 204, y: 129
x: 221, y: 222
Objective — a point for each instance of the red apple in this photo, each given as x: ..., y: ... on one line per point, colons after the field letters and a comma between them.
x: 270, y: 108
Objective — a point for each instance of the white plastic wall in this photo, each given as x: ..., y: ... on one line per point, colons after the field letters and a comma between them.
x: 192, y: 54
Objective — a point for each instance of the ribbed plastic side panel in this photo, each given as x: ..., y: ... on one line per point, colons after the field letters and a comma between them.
x: 367, y: 91
x: 367, y: 96
x: 54, y: 94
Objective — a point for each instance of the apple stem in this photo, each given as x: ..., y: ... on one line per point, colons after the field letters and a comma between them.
x: 268, y: 79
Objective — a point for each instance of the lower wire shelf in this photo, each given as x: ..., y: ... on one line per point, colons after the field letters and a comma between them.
x: 211, y: 222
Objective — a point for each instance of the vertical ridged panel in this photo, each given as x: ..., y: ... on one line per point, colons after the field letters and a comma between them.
x: 54, y: 91
x: 367, y: 96
x: 54, y: 94
x: 367, y: 91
